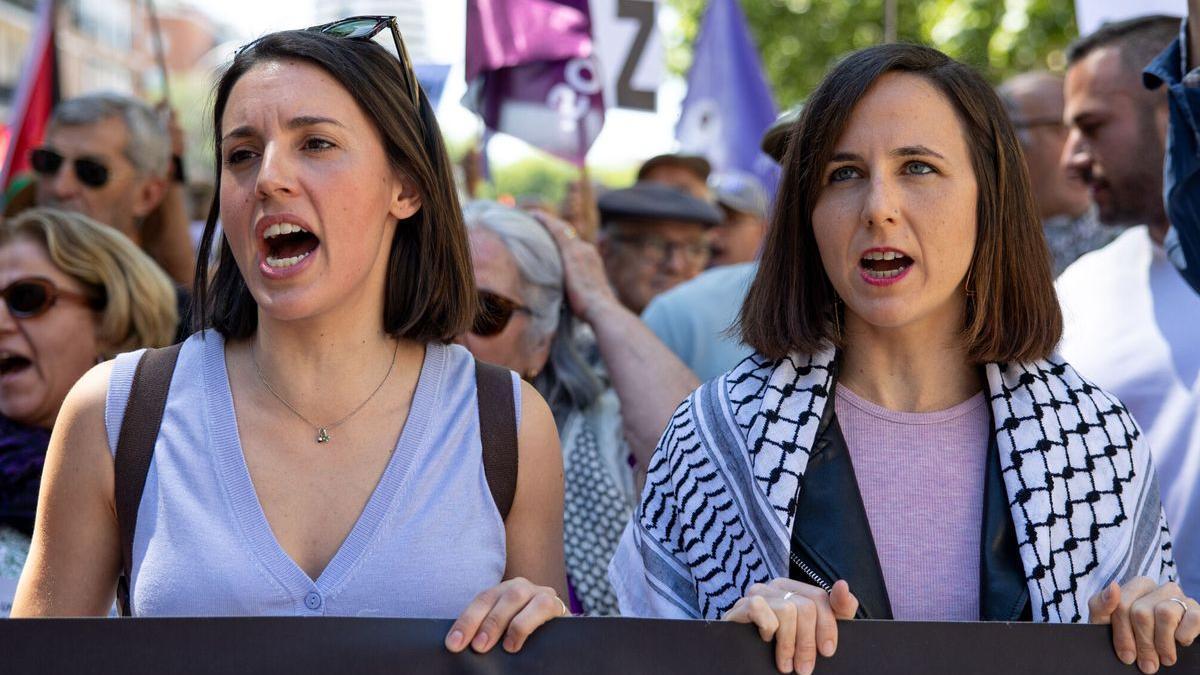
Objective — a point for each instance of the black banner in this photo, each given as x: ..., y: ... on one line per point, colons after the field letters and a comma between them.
x: 578, y: 645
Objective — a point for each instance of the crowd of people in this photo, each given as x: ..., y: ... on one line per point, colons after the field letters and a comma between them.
x: 950, y: 372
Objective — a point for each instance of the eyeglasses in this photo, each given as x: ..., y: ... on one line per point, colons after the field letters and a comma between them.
x: 89, y: 171
x: 495, y: 311
x: 365, y: 28
x: 658, y: 250
x: 32, y: 297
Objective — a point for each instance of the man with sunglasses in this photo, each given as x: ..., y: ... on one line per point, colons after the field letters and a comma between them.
x: 110, y: 157
x: 1035, y: 103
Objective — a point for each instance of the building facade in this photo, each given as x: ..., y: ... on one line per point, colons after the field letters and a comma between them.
x: 101, y: 46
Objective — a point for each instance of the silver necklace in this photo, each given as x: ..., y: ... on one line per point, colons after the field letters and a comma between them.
x: 322, y: 430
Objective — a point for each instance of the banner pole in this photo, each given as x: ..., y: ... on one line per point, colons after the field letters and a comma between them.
x: 889, y: 20
x: 160, y: 53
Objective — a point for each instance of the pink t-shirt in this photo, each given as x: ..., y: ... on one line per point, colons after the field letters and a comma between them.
x: 921, y: 478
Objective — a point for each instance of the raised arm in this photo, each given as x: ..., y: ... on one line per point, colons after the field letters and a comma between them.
x: 649, y: 379
x: 75, y: 556
x: 171, y: 244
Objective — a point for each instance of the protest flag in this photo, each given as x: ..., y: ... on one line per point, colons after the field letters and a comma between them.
x: 531, y: 73
x: 37, y: 94
x: 728, y: 106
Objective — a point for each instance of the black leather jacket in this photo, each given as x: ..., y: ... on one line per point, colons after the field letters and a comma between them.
x: 831, y: 538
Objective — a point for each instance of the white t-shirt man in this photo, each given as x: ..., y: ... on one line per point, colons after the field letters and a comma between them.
x: 1132, y: 326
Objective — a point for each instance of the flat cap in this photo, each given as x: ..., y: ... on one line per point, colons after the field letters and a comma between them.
x: 651, y: 201
x: 692, y: 163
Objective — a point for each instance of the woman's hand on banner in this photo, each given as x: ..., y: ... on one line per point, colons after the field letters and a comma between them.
x: 1147, y: 621
x: 512, y: 610
x: 800, y: 617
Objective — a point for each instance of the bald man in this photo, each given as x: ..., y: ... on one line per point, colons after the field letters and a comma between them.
x: 1035, y: 103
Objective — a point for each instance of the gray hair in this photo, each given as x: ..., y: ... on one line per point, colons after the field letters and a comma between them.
x: 149, y: 146
x: 567, y: 382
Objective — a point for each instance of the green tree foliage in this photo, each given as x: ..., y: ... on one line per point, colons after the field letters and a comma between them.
x: 799, y: 39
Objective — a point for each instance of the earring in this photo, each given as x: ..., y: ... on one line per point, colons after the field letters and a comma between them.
x: 837, y: 321
x: 967, y: 281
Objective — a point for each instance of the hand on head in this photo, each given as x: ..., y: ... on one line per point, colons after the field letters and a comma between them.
x: 586, y: 282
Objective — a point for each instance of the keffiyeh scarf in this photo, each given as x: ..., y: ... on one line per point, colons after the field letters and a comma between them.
x: 717, y: 511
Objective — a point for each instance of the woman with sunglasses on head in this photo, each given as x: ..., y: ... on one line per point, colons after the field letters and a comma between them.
x: 320, y: 448
x: 600, y: 397
x: 75, y: 293
x: 905, y: 443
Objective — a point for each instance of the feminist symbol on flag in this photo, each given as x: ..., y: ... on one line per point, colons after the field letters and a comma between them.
x: 572, y: 98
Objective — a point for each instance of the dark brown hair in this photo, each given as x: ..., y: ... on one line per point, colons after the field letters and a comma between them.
x: 429, y: 294
x: 1140, y: 40
x: 1012, y: 311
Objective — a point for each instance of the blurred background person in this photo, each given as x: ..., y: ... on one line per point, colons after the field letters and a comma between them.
x: 1131, y: 322
x: 1035, y: 103
x: 743, y: 203
x: 75, y: 293
x: 116, y: 160
x: 695, y: 319
x: 527, y: 324
x: 652, y: 238
x: 684, y: 172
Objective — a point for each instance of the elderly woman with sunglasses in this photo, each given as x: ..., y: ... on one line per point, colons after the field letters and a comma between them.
x: 610, y: 384
x: 75, y: 293
x: 320, y: 449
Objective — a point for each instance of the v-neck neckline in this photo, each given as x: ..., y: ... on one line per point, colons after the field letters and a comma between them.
x: 247, y: 508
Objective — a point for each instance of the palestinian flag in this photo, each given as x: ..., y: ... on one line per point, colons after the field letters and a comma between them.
x: 37, y: 94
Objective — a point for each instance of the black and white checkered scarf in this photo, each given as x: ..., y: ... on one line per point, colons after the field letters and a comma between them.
x: 717, y: 510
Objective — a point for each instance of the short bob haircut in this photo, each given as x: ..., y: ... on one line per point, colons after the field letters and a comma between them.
x: 135, y: 299
x: 1012, y: 312
x: 429, y: 294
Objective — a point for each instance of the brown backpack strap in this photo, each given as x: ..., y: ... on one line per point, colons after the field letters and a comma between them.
x: 135, y: 448
x: 498, y: 432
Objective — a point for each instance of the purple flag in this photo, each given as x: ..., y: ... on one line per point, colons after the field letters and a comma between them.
x: 531, y: 73
x: 728, y: 106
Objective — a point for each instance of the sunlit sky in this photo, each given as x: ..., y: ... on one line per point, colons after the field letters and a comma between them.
x: 628, y: 137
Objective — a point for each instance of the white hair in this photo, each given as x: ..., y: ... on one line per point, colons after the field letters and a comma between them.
x: 149, y: 145
x: 538, y: 260
x: 567, y: 382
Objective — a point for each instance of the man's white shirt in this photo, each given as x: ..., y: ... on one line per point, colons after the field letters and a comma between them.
x: 1132, y: 326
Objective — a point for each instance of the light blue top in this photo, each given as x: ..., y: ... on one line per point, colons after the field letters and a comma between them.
x: 691, y: 319
x: 428, y: 540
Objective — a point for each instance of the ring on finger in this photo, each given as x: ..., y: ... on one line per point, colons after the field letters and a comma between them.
x: 1179, y: 602
x: 789, y: 594
x: 562, y: 604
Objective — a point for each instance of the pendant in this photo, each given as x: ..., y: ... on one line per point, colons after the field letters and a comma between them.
x: 322, y: 435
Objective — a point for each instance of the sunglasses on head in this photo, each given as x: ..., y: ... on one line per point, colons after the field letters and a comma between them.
x: 47, y: 163
x: 34, y: 296
x: 365, y: 28
x: 495, y: 311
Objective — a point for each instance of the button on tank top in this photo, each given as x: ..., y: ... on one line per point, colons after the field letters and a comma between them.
x: 428, y: 540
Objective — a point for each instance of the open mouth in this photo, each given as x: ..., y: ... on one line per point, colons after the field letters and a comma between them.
x: 882, y: 265
x: 287, y: 244
x: 13, y: 363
